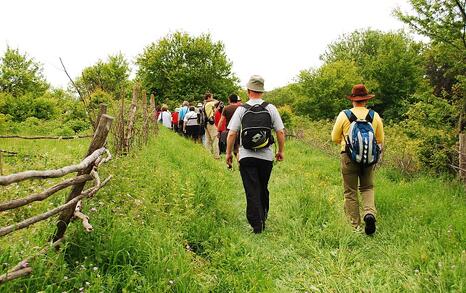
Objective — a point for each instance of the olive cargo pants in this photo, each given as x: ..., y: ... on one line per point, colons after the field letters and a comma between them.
x: 354, y: 176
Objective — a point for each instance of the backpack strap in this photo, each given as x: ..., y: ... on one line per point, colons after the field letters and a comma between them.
x: 350, y: 115
x: 264, y: 104
x: 370, y: 116
x: 246, y: 106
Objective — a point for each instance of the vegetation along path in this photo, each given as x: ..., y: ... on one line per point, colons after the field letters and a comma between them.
x: 174, y: 220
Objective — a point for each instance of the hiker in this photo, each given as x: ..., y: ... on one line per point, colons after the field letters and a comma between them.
x: 165, y: 117
x: 211, y: 140
x: 234, y: 102
x: 360, y: 133
x: 183, y: 110
x: 191, y: 124
x: 220, y: 127
x: 201, y: 120
x: 254, y: 122
x: 175, y: 116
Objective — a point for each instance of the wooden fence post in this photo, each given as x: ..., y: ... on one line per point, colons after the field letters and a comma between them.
x: 102, y: 111
x: 462, y: 157
x: 131, y: 118
x: 99, y: 140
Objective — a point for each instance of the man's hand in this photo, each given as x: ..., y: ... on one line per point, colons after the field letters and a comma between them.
x: 229, y: 160
x: 280, y: 156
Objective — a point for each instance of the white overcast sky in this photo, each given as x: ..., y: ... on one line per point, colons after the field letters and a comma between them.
x: 275, y: 39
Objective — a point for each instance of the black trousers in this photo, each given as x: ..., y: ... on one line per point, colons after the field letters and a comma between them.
x: 255, y: 174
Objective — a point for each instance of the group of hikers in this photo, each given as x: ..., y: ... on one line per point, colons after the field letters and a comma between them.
x: 244, y: 130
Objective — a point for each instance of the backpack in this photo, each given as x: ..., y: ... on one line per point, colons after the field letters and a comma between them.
x: 361, y: 144
x: 256, y: 127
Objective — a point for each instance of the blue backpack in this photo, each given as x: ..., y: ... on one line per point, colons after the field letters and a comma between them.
x: 361, y: 144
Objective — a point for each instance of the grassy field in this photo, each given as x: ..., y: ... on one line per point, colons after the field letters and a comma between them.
x: 173, y: 219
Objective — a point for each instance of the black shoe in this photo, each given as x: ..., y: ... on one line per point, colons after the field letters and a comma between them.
x: 369, y: 219
x: 257, y: 231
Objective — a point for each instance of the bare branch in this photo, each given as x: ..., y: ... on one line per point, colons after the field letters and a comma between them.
x: 44, y: 194
x: 5, y: 180
x: 45, y: 137
x: 28, y: 222
x: 14, y: 275
x: 21, y: 267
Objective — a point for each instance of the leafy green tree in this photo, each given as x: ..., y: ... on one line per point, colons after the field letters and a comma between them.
x: 111, y: 76
x: 391, y: 62
x: 323, y: 91
x: 444, y: 22
x: 182, y: 67
x: 21, y: 75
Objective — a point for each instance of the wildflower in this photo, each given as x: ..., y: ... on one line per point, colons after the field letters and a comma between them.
x: 171, y: 282
x: 65, y: 278
x: 95, y: 268
x: 93, y: 210
x: 416, y: 271
x: 88, y: 284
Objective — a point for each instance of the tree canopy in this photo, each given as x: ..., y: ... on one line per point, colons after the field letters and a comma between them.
x: 111, y: 76
x: 21, y: 75
x: 183, y: 67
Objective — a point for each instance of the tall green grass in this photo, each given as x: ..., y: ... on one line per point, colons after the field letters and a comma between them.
x: 173, y: 219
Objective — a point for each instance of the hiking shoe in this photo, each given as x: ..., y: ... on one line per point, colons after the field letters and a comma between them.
x: 369, y: 219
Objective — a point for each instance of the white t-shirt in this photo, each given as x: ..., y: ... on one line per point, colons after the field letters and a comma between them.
x: 235, y: 124
x: 166, y: 119
x: 191, y: 118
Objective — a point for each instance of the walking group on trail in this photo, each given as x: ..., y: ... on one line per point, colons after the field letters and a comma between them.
x: 246, y: 132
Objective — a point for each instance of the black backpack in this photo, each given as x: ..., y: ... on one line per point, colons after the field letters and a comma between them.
x: 256, y: 127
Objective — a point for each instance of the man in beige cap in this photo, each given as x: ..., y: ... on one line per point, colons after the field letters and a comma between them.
x: 211, y: 139
x: 253, y: 122
x: 358, y: 169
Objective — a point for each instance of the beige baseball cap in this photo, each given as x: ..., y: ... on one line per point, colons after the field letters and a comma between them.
x: 256, y: 83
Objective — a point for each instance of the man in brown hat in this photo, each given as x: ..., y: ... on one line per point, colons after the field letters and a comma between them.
x: 353, y: 170
x: 253, y: 122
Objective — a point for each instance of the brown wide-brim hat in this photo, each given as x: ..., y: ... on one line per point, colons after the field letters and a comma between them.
x: 359, y: 93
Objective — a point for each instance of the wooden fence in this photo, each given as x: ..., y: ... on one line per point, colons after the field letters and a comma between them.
x: 135, y: 124
x: 87, y: 170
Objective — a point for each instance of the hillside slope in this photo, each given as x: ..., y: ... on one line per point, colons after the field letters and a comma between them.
x: 173, y: 219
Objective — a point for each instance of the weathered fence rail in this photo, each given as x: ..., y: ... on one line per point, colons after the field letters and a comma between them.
x: 45, y: 137
x: 87, y: 170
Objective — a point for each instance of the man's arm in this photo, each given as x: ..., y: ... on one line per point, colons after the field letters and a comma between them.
x: 231, y: 138
x: 280, y: 155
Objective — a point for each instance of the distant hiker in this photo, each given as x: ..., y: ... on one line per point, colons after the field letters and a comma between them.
x: 183, y: 110
x: 254, y: 122
x: 221, y: 127
x: 211, y: 140
x: 360, y: 133
x: 165, y: 117
x: 175, y: 119
x: 191, y: 124
x: 233, y: 103
x: 201, y: 120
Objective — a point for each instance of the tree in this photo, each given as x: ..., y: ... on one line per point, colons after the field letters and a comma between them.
x: 390, y: 62
x: 323, y: 91
x: 21, y: 75
x: 444, y: 22
x: 182, y: 67
x: 110, y: 76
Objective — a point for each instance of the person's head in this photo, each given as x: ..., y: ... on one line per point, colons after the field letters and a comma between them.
x: 164, y: 107
x: 255, y: 87
x: 233, y: 98
x: 186, y: 103
x: 219, y: 106
x: 359, y: 96
x: 192, y: 108
x: 208, y: 97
